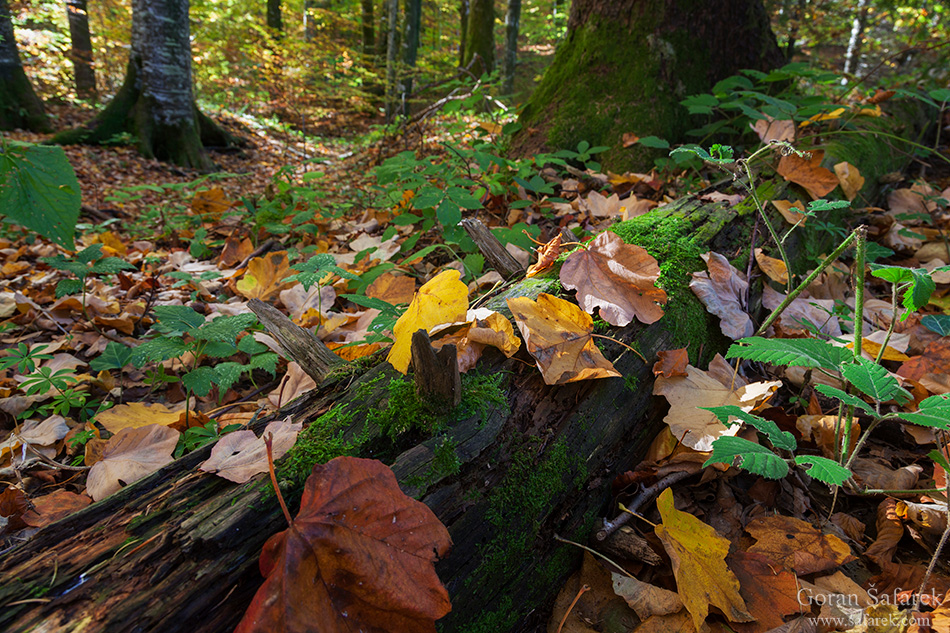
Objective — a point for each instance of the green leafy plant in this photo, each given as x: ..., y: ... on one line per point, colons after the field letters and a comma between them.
x: 88, y: 262
x: 198, y: 436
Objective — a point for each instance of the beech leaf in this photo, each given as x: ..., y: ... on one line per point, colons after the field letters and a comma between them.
x: 240, y: 455
x: 131, y: 454
x: 558, y: 335
x: 616, y: 276
x: 359, y: 557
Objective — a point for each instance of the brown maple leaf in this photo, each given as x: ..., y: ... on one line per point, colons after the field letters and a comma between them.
x: 359, y: 557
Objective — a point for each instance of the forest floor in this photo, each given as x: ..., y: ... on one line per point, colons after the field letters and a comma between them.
x: 172, y: 229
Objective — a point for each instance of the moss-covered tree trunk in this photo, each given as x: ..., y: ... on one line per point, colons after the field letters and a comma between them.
x: 480, y: 35
x: 625, y: 65
x: 19, y: 105
x: 81, y: 48
x: 155, y: 103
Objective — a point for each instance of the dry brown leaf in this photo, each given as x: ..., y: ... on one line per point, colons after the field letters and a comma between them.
x: 235, y: 251
x: 210, y: 203
x: 136, y: 414
x: 696, y: 427
x: 600, y: 206
x: 646, y: 599
x: 617, y: 277
x: 131, y: 454
x: 820, y: 429
x: 797, y: 545
x: 547, y: 255
x: 773, y: 268
x: 808, y: 173
x: 484, y: 328
x: 558, y: 335
x: 793, y: 212
x: 394, y: 289
x: 769, y: 129
x: 817, y: 311
x: 54, y: 506
x: 240, y: 455
x: 698, y: 555
x: 265, y: 276
x: 299, y: 301
x: 671, y: 363
x: 853, y: 528
x: 850, y: 179
x: 37, y: 434
x: 876, y: 473
x: 769, y: 592
x: 723, y: 291
x: 294, y: 384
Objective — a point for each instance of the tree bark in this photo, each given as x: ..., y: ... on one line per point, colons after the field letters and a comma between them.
x: 410, y: 49
x: 155, y: 103
x: 463, y: 30
x: 392, y: 29
x: 275, y: 20
x: 480, y: 35
x: 81, y: 49
x: 19, y: 105
x: 512, y: 22
x: 625, y: 65
x: 853, y: 56
x: 368, y: 30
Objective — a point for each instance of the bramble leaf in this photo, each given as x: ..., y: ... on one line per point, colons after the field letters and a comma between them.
x: 794, y: 352
x: 755, y: 458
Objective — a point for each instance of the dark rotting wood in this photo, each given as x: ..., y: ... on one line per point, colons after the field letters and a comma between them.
x: 494, y: 252
x: 436, y: 373
x: 304, y: 348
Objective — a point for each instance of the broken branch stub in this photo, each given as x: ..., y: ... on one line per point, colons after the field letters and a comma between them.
x: 436, y: 374
x: 304, y: 348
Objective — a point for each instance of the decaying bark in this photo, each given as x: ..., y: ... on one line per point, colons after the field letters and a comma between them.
x: 299, y: 344
x: 19, y: 105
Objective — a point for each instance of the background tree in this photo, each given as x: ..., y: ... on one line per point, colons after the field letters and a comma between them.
x: 480, y: 35
x: 81, y: 49
x: 410, y: 45
x: 155, y: 103
x: 274, y: 19
x: 624, y: 66
x: 19, y: 105
x: 368, y: 31
x: 512, y: 21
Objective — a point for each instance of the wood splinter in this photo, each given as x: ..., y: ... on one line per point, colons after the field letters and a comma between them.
x: 436, y: 372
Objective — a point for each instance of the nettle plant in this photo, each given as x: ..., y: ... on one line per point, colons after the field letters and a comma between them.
x: 864, y: 385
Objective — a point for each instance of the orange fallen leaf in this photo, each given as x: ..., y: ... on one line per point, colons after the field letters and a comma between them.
x: 210, y: 202
x: 392, y: 288
x: 485, y: 328
x: 617, y: 277
x: 849, y: 178
x: 671, y: 362
x: 793, y: 212
x: 558, y: 335
x: 265, y: 276
x: 698, y: 554
x: 235, y: 251
x: 54, y: 506
x: 547, y: 255
x: 769, y: 592
x: 808, y: 173
x: 797, y: 545
x: 131, y: 454
x: 359, y: 557
x: 774, y: 268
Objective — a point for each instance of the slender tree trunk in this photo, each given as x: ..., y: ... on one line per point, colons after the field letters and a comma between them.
x: 480, y: 35
x: 512, y: 22
x: 463, y: 29
x: 625, y: 65
x: 309, y: 28
x: 853, y: 56
x: 155, y: 103
x: 275, y: 20
x: 368, y: 27
x: 81, y: 49
x: 19, y: 105
x: 392, y: 11
x: 410, y: 48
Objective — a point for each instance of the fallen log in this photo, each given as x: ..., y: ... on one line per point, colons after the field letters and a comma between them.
x: 517, y: 463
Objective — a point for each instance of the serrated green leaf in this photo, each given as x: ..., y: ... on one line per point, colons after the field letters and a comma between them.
x: 159, y: 349
x: 939, y: 323
x: 827, y: 205
x: 448, y: 213
x: 654, y: 142
x: 320, y: 261
x: 871, y: 379
x: 463, y: 198
x: 69, y: 265
x: 371, y: 302
x: 177, y: 319
x: 265, y: 362
x: 114, y: 356
x: 921, y: 283
x: 939, y: 458
x: 39, y: 190
x: 224, y: 328
x: 67, y: 287
x: 226, y: 374
x: 823, y: 469
x: 89, y: 254
x: 249, y: 345
x: 754, y: 458
x: 199, y: 381
x: 834, y: 392
x: 110, y: 265
x: 795, y: 352
x: 778, y: 437
x: 218, y: 349
x: 933, y: 412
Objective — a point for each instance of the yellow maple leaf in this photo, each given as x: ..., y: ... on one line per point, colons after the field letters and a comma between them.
x: 698, y: 554
x: 443, y: 299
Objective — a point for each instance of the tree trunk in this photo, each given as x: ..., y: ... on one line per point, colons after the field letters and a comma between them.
x: 410, y: 50
x: 81, y: 49
x: 480, y: 35
x: 155, y: 103
x: 368, y: 27
x: 463, y: 30
x: 624, y: 66
x: 19, y: 105
x: 392, y: 29
x: 178, y: 550
x: 512, y: 21
x: 853, y: 56
x: 275, y: 20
